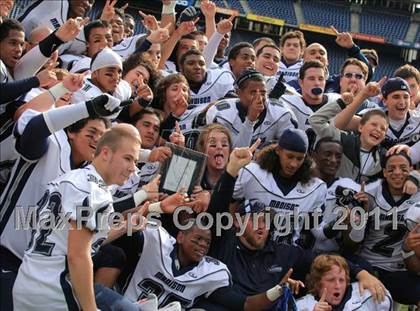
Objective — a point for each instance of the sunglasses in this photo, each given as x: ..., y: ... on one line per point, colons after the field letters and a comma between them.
x: 350, y: 75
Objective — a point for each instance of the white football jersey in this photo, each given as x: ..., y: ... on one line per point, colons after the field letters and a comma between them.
x: 153, y: 273
x: 290, y: 72
x: 218, y: 83
x: 269, y: 128
x: 409, y: 134
x: 52, y: 14
x: 387, y: 227
x: 357, y: 302
x: 256, y: 184
x: 43, y: 276
x: 68, y: 60
x: 5, y: 75
x: 127, y: 46
x: 27, y: 184
x: 303, y: 111
x: 331, y: 212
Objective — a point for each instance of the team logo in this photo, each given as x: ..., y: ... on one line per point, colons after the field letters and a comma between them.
x: 192, y: 274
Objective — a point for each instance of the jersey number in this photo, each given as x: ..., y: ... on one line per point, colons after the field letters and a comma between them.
x: 41, y: 246
x: 149, y: 286
x: 384, y: 247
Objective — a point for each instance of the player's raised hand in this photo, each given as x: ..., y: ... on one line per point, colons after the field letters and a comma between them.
x: 177, y: 137
x: 47, y: 77
x: 294, y: 285
x: 75, y: 81
x: 143, y: 90
x: 362, y: 196
x: 160, y: 35
x: 149, y: 21
x: 108, y: 12
x: 186, y: 27
x: 5, y: 8
x: 71, y: 28
x: 348, y: 97
x: 373, y: 88
x: 208, y: 8
x: 344, y: 39
x: 138, y: 221
x: 160, y: 154
x: 412, y: 241
x: 240, y: 157
x: 103, y: 106
x: 257, y: 107
x: 225, y: 25
x: 152, y: 189
x: 180, y: 104
x: 322, y: 304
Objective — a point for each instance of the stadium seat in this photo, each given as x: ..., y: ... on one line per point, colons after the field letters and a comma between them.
x: 389, y: 26
x: 282, y: 9
x: 326, y: 15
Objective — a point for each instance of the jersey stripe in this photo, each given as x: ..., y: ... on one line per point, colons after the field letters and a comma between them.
x: 13, y: 191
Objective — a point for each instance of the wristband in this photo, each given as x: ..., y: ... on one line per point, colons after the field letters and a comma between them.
x: 49, y: 44
x: 169, y: 8
x: 274, y: 293
x: 58, y: 91
x: 139, y: 197
x: 155, y: 208
x: 144, y: 155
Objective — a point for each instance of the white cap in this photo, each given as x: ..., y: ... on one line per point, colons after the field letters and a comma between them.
x: 106, y: 58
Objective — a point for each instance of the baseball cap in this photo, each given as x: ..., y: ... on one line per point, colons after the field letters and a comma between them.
x: 394, y: 84
x: 294, y: 140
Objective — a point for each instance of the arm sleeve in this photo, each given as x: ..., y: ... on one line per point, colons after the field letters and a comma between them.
x: 32, y: 61
x: 322, y: 121
x: 33, y: 142
x: 229, y: 298
x: 211, y: 48
x: 219, y: 201
x: 13, y: 89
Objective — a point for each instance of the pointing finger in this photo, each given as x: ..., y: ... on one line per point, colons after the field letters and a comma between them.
x: 177, y: 127
x: 124, y: 6
x: 286, y: 276
x: 196, y: 20
x: 142, y: 14
x: 255, y: 146
x: 231, y: 18
x: 362, y: 186
x: 382, y: 81
x: 334, y: 30
x: 323, y: 295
